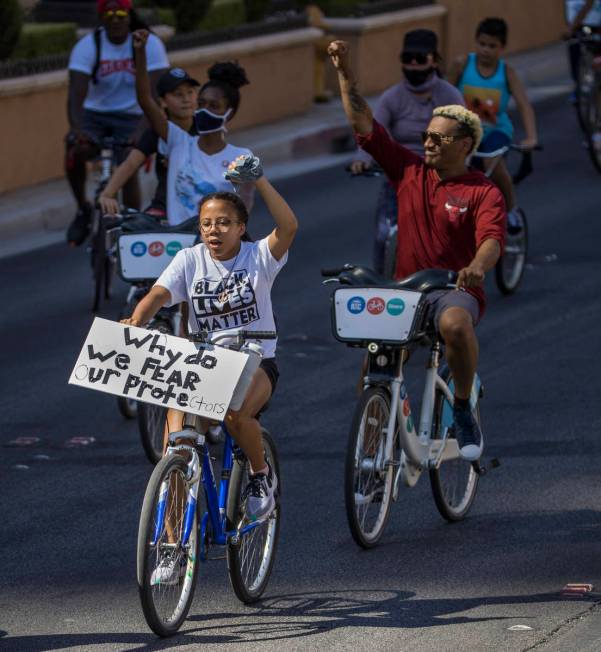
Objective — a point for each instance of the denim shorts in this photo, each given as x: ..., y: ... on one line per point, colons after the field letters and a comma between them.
x: 440, y: 300
x: 120, y: 126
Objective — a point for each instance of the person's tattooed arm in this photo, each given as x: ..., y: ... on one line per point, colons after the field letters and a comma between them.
x: 356, y: 108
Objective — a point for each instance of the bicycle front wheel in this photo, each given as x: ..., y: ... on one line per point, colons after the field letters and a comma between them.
x: 151, y: 424
x: 250, y: 561
x: 166, y: 596
x: 455, y: 482
x: 367, y: 480
x: 510, y: 266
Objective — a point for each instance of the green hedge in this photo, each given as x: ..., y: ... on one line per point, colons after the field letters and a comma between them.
x: 11, y: 18
x: 224, y: 13
x: 43, y: 39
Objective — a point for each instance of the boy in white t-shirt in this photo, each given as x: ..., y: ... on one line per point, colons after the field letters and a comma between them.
x: 102, y: 99
x: 226, y: 281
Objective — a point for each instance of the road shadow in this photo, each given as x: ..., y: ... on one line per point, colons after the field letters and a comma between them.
x: 297, y: 615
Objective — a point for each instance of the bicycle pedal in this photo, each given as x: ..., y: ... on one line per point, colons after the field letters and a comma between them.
x: 216, y: 557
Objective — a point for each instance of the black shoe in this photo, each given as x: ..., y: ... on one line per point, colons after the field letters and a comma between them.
x: 80, y: 227
x: 468, y: 434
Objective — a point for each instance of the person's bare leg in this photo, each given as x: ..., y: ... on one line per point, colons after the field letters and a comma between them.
x: 131, y: 193
x: 75, y: 170
x: 457, y: 331
x: 244, y: 427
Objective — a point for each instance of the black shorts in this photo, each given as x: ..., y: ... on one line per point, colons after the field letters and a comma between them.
x: 270, y: 367
x: 440, y: 300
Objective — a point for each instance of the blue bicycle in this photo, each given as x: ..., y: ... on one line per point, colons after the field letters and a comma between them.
x: 179, y: 524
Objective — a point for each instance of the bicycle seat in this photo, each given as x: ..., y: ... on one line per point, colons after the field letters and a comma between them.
x: 144, y: 222
x: 426, y: 280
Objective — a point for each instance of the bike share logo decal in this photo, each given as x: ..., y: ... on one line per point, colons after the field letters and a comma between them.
x: 403, y: 391
x: 356, y: 305
x: 395, y: 307
x: 173, y: 247
x: 409, y: 424
x: 406, y: 408
x: 375, y: 306
x: 138, y: 249
x: 156, y: 248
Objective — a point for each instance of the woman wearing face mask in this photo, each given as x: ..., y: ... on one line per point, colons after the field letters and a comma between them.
x: 196, y: 161
x: 405, y: 110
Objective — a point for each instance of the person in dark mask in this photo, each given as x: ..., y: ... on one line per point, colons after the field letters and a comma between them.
x: 405, y: 110
x: 197, y: 160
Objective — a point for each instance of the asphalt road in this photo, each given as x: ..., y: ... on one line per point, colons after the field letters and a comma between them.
x: 68, y: 541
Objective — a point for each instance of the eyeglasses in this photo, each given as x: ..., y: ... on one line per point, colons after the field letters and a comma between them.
x: 438, y: 139
x: 222, y: 224
x: 414, y: 57
x: 115, y: 13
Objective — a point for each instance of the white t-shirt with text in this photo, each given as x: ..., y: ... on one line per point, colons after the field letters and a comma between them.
x: 115, y: 91
x: 192, y: 173
x: 228, y: 295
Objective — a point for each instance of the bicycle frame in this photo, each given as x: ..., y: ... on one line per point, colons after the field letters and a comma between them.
x: 419, y: 451
x: 200, y: 469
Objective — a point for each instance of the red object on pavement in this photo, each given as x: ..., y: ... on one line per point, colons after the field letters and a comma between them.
x: 576, y: 590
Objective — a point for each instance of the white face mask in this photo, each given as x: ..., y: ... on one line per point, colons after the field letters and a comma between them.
x: 207, y: 122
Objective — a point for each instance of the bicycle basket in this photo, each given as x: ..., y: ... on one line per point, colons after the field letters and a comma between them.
x: 143, y: 256
x: 376, y: 314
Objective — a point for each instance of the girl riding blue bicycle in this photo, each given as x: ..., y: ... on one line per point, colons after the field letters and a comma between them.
x: 226, y: 281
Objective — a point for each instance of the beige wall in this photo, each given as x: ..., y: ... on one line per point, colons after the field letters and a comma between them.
x: 532, y: 23
x: 375, y: 43
x: 33, y: 119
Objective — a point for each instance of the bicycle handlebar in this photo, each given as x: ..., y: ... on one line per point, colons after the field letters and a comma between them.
x: 372, y: 171
x: 203, y: 337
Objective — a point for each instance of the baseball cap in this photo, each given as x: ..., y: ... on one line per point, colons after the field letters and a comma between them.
x: 173, y: 78
x: 420, y: 40
x: 101, y: 5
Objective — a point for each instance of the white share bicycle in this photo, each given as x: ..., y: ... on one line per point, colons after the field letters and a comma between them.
x: 385, y: 445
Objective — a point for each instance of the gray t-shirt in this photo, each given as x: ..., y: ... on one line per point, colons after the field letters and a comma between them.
x: 405, y: 115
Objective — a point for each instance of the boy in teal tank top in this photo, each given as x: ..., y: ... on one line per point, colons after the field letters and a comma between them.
x: 487, y: 82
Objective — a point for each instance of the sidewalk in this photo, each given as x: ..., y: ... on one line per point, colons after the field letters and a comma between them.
x: 38, y: 215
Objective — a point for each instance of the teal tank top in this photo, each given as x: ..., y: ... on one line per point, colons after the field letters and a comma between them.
x: 487, y: 96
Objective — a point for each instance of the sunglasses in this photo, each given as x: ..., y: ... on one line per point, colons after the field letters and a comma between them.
x: 414, y: 57
x: 115, y: 13
x: 438, y: 139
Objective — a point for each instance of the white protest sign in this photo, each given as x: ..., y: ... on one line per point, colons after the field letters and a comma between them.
x: 156, y: 368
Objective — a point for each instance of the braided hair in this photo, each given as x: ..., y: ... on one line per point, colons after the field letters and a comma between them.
x: 229, y: 77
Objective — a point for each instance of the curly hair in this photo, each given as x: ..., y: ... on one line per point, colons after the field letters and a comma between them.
x: 229, y: 77
x: 469, y: 122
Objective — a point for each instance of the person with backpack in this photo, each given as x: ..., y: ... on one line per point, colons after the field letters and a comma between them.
x: 102, y: 99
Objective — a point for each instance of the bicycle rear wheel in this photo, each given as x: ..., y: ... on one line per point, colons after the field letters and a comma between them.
x: 166, y: 603
x: 98, y: 258
x: 151, y: 424
x: 455, y: 482
x: 128, y: 407
x: 510, y: 266
x: 593, y: 133
x: 250, y: 561
x: 367, y: 487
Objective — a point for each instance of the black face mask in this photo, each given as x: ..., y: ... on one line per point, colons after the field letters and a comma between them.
x: 206, y: 122
x: 417, y: 77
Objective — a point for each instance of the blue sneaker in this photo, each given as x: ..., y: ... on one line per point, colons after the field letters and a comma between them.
x: 468, y: 434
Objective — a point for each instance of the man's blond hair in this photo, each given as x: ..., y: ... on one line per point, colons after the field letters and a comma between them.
x: 469, y: 121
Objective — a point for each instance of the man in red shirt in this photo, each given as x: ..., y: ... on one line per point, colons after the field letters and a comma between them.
x: 449, y: 217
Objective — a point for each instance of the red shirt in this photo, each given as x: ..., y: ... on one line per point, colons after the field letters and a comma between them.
x: 441, y: 222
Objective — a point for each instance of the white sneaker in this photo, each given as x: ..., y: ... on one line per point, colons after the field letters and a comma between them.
x: 166, y: 571
x: 259, y: 495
